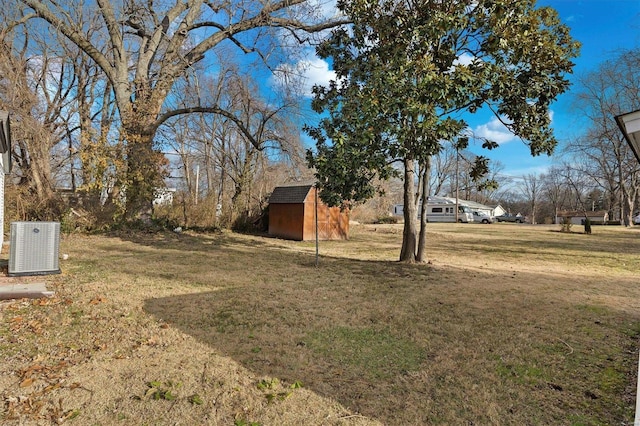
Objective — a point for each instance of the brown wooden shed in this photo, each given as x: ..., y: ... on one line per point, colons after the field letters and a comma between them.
x: 292, y: 215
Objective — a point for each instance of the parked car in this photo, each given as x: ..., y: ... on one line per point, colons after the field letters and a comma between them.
x: 510, y: 218
x: 482, y: 217
x: 636, y: 219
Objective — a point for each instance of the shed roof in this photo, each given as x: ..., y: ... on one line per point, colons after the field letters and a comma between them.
x: 289, y: 194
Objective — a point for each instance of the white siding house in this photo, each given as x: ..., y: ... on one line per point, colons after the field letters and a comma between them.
x: 578, y: 217
x: 5, y: 163
x: 498, y: 210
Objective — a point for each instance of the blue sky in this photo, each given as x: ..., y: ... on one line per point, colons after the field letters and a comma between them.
x: 604, y: 27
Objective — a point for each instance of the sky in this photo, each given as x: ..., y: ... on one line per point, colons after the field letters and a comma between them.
x: 604, y: 27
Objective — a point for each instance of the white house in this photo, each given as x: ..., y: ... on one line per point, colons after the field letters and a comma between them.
x: 578, y: 217
x: 164, y: 196
x: 5, y: 163
x: 498, y: 210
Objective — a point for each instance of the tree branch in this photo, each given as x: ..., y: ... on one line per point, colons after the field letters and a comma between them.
x: 211, y: 110
x: 72, y: 34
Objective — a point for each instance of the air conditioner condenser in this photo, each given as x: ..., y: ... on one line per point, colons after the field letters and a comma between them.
x: 33, y: 248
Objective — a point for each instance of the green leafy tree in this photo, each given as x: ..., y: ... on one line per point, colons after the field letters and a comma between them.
x: 408, y: 71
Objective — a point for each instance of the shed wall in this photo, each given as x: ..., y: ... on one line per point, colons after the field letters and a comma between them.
x: 333, y: 224
x: 297, y: 221
x: 286, y: 221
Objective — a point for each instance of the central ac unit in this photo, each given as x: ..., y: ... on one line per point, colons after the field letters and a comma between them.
x: 33, y: 248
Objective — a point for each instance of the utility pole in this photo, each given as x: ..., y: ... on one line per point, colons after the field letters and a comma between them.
x: 457, y: 177
x: 195, y: 198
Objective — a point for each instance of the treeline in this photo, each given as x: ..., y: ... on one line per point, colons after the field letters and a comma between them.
x: 110, y: 103
x: 594, y: 170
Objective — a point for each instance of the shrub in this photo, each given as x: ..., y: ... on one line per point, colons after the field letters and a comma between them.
x: 387, y: 219
x: 565, y: 225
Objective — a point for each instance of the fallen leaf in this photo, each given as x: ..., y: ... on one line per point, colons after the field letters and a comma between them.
x: 51, y: 387
x: 97, y: 300
x: 26, y: 382
x: 32, y: 369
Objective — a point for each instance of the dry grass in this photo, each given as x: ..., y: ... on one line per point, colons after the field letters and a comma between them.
x: 508, y: 324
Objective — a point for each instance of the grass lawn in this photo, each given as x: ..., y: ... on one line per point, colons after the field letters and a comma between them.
x: 506, y: 324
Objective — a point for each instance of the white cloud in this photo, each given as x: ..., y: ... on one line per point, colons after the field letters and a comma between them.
x: 304, y: 75
x: 327, y: 8
x: 317, y: 72
x: 464, y: 59
x: 495, y: 131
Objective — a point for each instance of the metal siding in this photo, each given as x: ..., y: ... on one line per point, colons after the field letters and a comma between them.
x: 1, y: 202
x: 34, y: 248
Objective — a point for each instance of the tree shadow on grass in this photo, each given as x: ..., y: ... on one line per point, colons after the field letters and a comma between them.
x: 403, y: 344
x: 403, y: 348
x: 276, y: 336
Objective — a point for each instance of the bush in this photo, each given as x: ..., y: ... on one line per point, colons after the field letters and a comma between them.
x: 565, y: 225
x: 387, y: 219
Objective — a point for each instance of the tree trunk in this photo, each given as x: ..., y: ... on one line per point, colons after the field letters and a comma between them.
x: 422, y: 240
x: 409, y: 233
x: 143, y: 175
x: 626, y: 203
x: 144, y: 163
x: 40, y: 174
x: 38, y: 167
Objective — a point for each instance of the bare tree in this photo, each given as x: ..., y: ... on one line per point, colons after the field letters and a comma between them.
x: 601, y: 151
x: 531, y: 187
x: 61, y: 111
x: 443, y: 170
x: 556, y: 190
x: 153, y: 45
x: 235, y: 167
x: 580, y: 186
x: 33, y: 91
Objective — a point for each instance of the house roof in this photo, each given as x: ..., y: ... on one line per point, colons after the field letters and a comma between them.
x: 289, y: 194
x: 598, y: 213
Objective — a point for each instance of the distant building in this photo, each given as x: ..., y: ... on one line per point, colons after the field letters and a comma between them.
x: 579, y: 217
x: 164, y: 196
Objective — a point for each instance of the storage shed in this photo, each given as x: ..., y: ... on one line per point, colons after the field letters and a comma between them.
x: 292, y: 215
